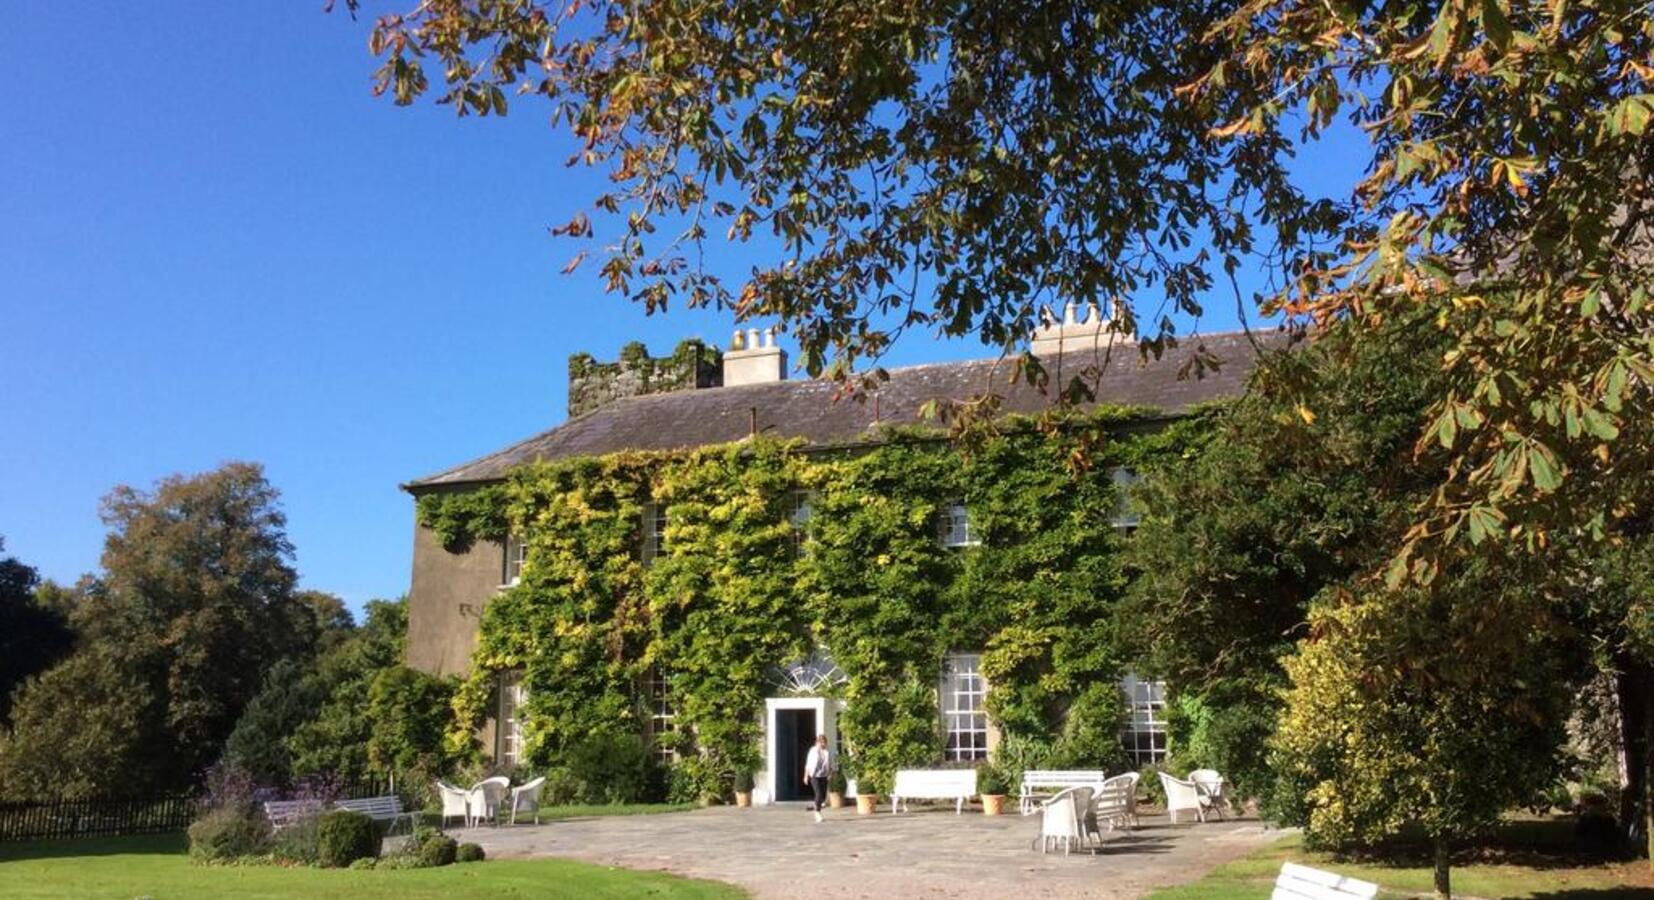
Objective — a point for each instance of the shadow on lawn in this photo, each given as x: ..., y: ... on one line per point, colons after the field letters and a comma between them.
x: 1624, y: 893
x: 145, y: 845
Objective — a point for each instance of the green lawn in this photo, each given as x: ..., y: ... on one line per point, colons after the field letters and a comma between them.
x: 1525, y: 861
x: 157, y: 867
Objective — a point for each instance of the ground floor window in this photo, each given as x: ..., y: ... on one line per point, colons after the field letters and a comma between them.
x: 1145, y: 734
x: 964, y: 714
x: 662, y: 717
x: 508, y: 742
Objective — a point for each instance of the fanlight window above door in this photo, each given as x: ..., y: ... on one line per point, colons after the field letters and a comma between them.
x: 813, y: 675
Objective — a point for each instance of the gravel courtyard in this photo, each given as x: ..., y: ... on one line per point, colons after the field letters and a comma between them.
x: 779, y: 852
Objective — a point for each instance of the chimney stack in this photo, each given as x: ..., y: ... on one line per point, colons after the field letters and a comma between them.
x: 1073, y: 334
x: 754, y: 357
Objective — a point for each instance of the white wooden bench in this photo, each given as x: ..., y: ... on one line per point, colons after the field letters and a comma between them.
x: 283, y: 813
x: 957, y: 785
x: 1303, y: 883
x: 1040, y: 783
x: 379, y: 809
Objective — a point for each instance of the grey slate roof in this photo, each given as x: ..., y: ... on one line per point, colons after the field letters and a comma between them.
x: 807, y: 410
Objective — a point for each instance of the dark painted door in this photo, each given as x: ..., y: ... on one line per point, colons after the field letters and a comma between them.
x: 795, y: 731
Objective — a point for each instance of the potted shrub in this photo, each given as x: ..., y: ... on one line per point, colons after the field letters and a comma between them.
x: 743, y: 788
x: 868, y: 788
x: 991, y: 786
x: 835, y: 789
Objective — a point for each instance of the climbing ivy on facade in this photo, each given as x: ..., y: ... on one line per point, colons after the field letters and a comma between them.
x: 711, y: 569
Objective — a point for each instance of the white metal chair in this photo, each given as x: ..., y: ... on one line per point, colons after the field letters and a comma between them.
x: 1182, y: 795
x: 1113, y: 805
x: 527, y: 796
x: 484, y: 799
x: 454, y: 803
x: 1212, y: 789
x: 1062, y: 818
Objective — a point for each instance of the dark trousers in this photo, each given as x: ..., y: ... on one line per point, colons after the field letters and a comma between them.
x: 820, y: 786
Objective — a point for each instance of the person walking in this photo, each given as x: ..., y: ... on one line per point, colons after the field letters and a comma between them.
x: 818, y: 763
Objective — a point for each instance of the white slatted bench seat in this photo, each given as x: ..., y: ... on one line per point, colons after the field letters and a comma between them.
x: 1040, y: 783
x: 283, y: 813
x: 957, y: 785
x: 380, y: 809
x: 1303, y: 883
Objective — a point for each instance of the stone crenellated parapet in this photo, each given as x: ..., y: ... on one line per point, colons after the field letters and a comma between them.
x: 592, y: 384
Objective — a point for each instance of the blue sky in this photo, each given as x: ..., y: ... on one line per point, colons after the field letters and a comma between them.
x: 215, y: 244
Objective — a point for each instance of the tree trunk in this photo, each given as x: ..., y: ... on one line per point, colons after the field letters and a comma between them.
x: 1633, y: 750
x: 1632, y: 687
x: 1647, y: 768
x: 1444, y: 890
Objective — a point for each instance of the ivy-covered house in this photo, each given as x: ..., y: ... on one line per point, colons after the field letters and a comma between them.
x: 708, y: 564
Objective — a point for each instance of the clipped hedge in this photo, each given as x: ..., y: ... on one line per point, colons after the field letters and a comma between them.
x: 437, y: 849
x: 343, y: 837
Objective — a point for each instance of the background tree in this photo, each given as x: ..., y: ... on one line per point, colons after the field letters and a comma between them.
x: 194, y: 602
x: 335, y: 738
x: 33, y: 634
x: 1436, y: 709
x: 1272, y: 503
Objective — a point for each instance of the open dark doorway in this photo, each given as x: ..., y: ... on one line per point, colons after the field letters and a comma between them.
x: 795, y: 731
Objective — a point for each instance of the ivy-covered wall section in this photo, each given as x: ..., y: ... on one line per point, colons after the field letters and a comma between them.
x: 738, y: 591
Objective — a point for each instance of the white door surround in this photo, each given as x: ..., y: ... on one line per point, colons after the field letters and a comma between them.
x: 825, y: 713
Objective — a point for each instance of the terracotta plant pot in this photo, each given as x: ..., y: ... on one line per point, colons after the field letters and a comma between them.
x: 835, y: 799
x: 993, y: 804
x: 867, y: 804
x: 743, y: 799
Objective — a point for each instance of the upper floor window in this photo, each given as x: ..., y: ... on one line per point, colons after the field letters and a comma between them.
x: 799, y: 510
x: 955, y: 526
x: 516, y: 555
x: 964, y: 709
x: 1125, y: 515
x: 654, y: 531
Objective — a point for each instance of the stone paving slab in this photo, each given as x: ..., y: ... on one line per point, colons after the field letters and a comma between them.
x: 780, y: 852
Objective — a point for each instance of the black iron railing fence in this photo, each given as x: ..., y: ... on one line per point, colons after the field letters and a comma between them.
x: 94, y: 817
x: 103, y: 817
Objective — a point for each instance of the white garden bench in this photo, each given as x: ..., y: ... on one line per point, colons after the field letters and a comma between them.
x: 1039, y: 783
x: 379, y: 809
x: 283, y: 813
x: 957, y: 785
x: 1303, y: 883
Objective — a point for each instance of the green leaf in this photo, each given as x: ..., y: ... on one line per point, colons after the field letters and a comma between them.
x: 1496, y: 25
x: 1631, y: 115
x: 1600, y: 424
x: 1542, y: 466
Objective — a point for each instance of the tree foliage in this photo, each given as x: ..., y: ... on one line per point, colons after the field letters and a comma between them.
x: 953, y: 167
x: 1437, y: 708
x: 33, y: 634
x: 1509, y: 195
x: 195, y: 601
x: 917, y: 166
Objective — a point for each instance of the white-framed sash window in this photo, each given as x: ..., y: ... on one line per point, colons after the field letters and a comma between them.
x: 1125, y: 516
x: 955, y: 525
x: 1145, y: 733
x: 509, y: 724
x: 654, y: 532
x: 964, y: 707
x: 516, y: 555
